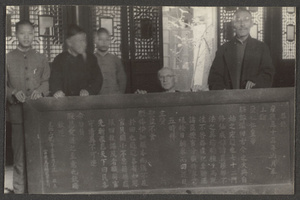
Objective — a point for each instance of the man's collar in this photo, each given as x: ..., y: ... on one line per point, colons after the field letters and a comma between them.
x: 24, y: 50
x: 170, y: 91
x: 240, y: 41
x: 72, y: 53
x: 101, y: 53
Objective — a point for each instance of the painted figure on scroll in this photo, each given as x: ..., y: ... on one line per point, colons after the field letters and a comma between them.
x: 167, y: 79
x: 243, y: 62
x: 75, y: 72
x: 27, y: 74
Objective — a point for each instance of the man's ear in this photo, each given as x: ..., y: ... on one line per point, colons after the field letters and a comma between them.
x: 232, y: 26
x: 176, y: 78
x: 251, y: 23
x: 68, y: 42
x: 95, y: 36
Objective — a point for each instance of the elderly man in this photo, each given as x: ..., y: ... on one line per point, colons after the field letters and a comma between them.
x: 167, y: 79
x: 243, y: 62
x: 74, y: 71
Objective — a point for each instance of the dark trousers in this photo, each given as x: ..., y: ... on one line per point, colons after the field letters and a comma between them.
x: 19, y: 166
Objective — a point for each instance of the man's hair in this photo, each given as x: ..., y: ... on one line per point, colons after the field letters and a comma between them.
x: 23, y: 22
x: 73, y: 29
x: 241, y: 10
x: 103, y: 30
x: 166, y: 68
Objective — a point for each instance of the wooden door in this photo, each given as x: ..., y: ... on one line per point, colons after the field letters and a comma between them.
x: 145, y: 47
x: 136, y: 39
x: 282, y: 43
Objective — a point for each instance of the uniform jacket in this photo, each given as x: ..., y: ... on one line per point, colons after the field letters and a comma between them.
x: 257, y: 66
x: 71, y: 74
x: 114, y: 76
x: 26, y: 71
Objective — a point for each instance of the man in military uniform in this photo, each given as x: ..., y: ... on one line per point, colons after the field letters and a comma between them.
x: 27, y: 78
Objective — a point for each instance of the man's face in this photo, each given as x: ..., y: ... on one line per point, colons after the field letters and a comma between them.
x: 77, y: 43
x: 102, y: 41
x: 242, y: 23
x: 25, y: 35
x: 167, y: 79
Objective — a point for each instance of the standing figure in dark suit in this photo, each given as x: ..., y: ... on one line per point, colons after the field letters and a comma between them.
x: 243, y: 62
x: 75, y: 72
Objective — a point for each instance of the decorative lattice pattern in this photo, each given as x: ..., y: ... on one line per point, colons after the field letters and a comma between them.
x: 288, y: 46
x: 258, y: 20
x: 129, y: 14
x: 146, y: 48
x: 50, y: 46
x: 226, y: 16
x: 113, y: 12
x: 13, y: 13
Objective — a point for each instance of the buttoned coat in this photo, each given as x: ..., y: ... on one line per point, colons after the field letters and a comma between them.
x: 26, y: 71
x: 257, y: 66
x: 114, y: 76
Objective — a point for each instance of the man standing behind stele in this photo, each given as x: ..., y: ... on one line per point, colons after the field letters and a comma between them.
x: 243, y: 62
x: 114, y: 76
x: 75, y: 72
x: 27, y: 78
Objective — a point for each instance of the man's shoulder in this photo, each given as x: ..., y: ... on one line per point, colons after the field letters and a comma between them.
x: 91, y: 55
x: 256, y: 41
x: 251, y: 40
x: 226, y: 45
x: 114, y: 56
x: 37, y: 54
x: 61, y: 55
x: 13, y: 58
x: 12, y: 53
x: 258, y: 45
x: 115, y: 59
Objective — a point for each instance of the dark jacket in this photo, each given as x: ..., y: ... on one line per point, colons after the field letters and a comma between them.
x: 71, y: 74
x: 257, y: 66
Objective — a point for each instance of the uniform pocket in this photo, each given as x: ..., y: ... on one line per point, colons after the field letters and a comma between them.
x: 37, y: 73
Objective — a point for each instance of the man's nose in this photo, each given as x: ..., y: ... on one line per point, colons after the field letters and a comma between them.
x: 243, y: 23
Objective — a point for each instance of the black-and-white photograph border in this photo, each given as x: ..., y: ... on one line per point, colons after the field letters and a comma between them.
x: 150, y: 99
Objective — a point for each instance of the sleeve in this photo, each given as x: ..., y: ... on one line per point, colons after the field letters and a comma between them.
x: 9, y: 89
x: 121, y: 76
x: 44, y: 84
x: 216, y: 74
x: 96, y: 79
x: 267, y: 70
x: 56, y: 76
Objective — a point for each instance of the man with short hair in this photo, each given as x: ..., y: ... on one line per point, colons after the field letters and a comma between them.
x: 243, y: 62
x: 167, y: 79
x: 27, y: 77
x: 114, y: 76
